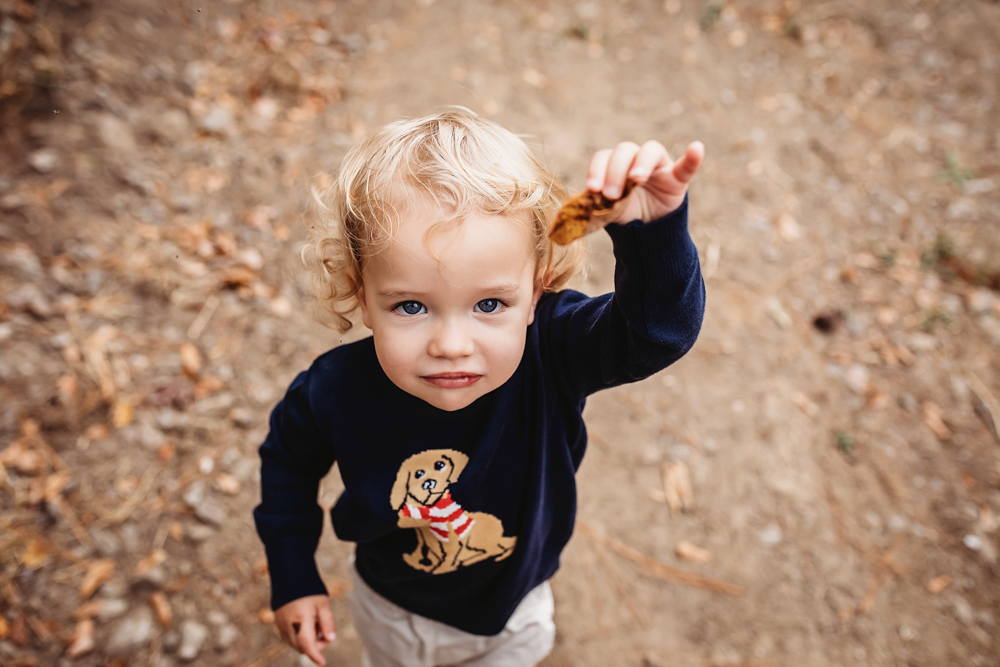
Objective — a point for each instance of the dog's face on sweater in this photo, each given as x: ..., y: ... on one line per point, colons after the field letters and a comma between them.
x: 425, y: 477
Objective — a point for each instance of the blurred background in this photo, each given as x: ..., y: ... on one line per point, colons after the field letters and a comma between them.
x: 816, y: 483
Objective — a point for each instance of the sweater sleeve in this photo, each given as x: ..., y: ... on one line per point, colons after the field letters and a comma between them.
x: 294, y: 458
x: 650, y: 321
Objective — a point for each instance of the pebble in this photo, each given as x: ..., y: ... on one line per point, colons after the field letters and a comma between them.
x: 857, y: 377
x: 171, y: 640
x: 194, y: 495
x: 154, y: 576
x: 29, y: 298
x: 227, y: 635
x: 972, y: 542
x: 771, y: 535
x: 112, y: 608
x: 211, y: 511
x: 172, y: 125
x: 113, y: 589
x: 193, y: 636
x: 198, y: 532
x: 43, y: 161
x: 218, y: 120
x: 242, y: 417
x: 116, y: 134
x: 133, y: 633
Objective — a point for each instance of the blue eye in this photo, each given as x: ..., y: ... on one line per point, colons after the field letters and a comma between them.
x: 411, y: 308
x: 488, y: 305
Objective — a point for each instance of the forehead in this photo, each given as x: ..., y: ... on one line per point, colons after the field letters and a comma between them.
x: 474, y: 249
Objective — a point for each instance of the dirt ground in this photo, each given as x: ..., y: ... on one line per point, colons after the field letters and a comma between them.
x: 838, y: 418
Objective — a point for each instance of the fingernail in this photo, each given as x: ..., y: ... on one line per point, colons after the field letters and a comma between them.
x: 593, y: 183
x: 639, y: 173
x: 330, y: 636
x: 611, y: 193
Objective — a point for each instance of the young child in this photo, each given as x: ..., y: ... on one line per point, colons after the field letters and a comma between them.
x: 457, y: 425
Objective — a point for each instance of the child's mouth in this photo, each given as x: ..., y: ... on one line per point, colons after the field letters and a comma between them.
x: 452, y: 380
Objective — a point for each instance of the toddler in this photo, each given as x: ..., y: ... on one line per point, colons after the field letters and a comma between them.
x: 457, y: 425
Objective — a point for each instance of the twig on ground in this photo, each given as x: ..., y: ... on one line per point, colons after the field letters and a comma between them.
x: 207, y: 310
x: 989, y: 401
x: 658, y: 569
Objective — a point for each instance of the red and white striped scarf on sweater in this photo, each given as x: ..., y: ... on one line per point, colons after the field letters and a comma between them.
x: 444, y: 513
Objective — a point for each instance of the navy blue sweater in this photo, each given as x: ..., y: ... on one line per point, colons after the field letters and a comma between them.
x: 457, y: 515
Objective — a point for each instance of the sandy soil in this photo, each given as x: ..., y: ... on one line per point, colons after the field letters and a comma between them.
x: 845, y: 471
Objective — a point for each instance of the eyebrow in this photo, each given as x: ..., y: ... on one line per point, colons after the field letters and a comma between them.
x: 504, y: 290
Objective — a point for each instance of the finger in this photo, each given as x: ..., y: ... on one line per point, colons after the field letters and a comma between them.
x: 598, y: 169
x: 307, y: 643
x: 685, y: 168
x: 618, y: 168
x: 652, y: 156
x: 327, y: 628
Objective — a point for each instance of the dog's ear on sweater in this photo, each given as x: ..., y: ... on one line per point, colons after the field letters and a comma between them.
x: 397, y: 497
x: 401, y: 487
x: 458, y: 460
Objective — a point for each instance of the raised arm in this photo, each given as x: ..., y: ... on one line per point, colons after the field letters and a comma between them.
x: 655, y: 313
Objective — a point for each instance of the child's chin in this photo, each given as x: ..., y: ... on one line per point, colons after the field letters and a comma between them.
x: 450, y: 400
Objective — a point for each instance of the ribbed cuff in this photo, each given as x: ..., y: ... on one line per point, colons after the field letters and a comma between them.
x: 662, y: 247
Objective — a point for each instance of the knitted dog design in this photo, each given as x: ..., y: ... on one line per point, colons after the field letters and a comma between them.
x: 448, y: 537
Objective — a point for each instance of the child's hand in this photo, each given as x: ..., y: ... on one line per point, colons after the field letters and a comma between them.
x: 307, y: 626
x: 662, y: 182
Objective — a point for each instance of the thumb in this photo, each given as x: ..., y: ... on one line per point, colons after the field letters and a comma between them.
x: 327, y: 628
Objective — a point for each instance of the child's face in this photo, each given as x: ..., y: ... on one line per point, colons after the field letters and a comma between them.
x: 450, y: 327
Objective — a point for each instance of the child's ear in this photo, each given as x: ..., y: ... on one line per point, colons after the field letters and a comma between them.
x: 365, y: 316
x: 541, y: 281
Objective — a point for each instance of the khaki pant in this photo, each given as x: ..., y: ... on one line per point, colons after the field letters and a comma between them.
x: 394, y: 637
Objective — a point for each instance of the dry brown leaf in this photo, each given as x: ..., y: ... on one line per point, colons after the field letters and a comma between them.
x: 938, y: 584
x: 83, y: 639
x: 97, y: 432
x: 238, y: 276
x: 4, y: 628
x: 149, y: 562
x: 161, y: 607
x: 22, y: 457
x: 121, y: 415
x: 227, y: 483
x: 190, y: 360
x: 208, y: 385
x: 805, y: 404
x: 677, y: 486
x: 98, y: 365
x: 98, y: 572
x: 692, y: 552
x: 166, y: 452
x: 934, y: 420
x: 35, y: 554
x: 176, y: 530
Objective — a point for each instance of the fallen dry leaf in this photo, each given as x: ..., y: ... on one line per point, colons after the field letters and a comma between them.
x: 176, y: 530
x: 938, y: 584
x: 4, y: 628
x: 190, y: 360
x: 805, y: 404
x: 98, y: 572
x: 83, y: 639
x: 677, y: 486
x: 227, y: 483
x: 149, y: 562
x: 35, y: 555
x: 161, y: 607
x: 934, y: 420
x: 692, y: 552
x: 121, y: 415
x: 23, y: 458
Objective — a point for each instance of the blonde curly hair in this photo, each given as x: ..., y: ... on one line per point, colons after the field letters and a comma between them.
x: 463, y: 163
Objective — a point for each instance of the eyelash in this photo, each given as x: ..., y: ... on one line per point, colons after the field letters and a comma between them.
x: 398, y: 307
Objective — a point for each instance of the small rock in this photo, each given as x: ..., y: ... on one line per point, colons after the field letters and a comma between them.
x: 194, y: 495
x: 154, y: 576
x: 980, y: 300
x: 243, y: 417
x: 228, y: 634
x: 211, y: 511
x: 43, y: 161
x: 29, y: 298
x: 107, y: 543
x: 193, y: 636
x: 172, y: 125
x: 114, y: 589
x: 133, y: 633
x: 964, y: 611
x: 218, y: 120
x: 198, y: 532
x: 171, y: 640
x: 771, y: 535
x: 149, y: 436
x: 112, y: 608
x: 116, y: 134
x: 857, y: 377
x: 216, y: 617
x: 972, y: 542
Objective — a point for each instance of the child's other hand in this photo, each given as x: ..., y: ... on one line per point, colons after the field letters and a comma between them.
x: 662, y: 182
x: 307, y: 626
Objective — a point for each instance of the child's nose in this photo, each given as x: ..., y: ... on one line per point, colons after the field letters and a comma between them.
x: 451, y: 341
